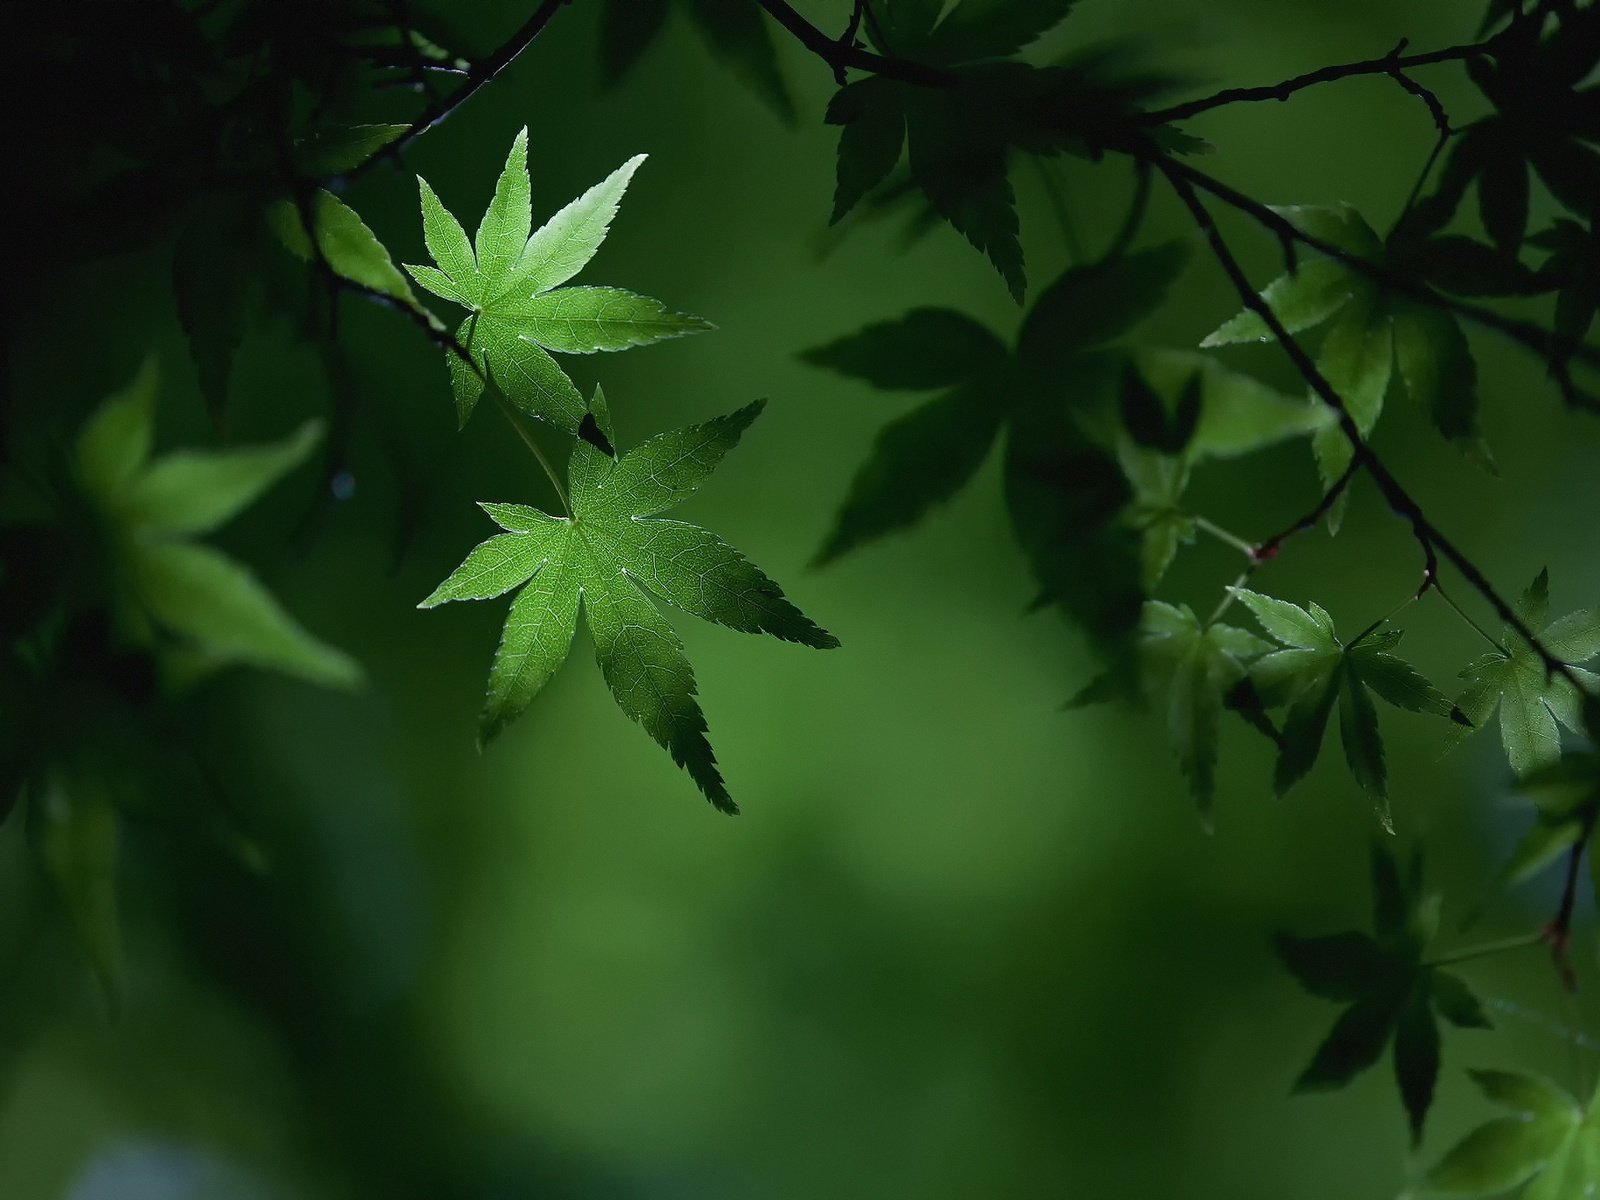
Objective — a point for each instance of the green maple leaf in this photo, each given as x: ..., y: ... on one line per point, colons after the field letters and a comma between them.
x: 509, y: 279
x: 602, y: 558
x: 1371, y: 341
x: 1533, y: 704
x: 202, y: 609
x: 1549, y: 1143
x: 1315, y: 672
x: 1391, y: 992
x: 1187, y: 672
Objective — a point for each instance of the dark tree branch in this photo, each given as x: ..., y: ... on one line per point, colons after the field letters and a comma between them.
x: 1392, y: 64
x: 1558, y: 934
x: 1268, y: 549
x: 481, y: 73
x: 842, y: 55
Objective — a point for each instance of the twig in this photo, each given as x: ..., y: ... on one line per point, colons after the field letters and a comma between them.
x: 841, y: 56
x: 1392, y: 64
x: 1226, y: 536
x: 1485, y: 949
x: 1559, y: 932
x: 1268, y: 549
x: 481, y: 73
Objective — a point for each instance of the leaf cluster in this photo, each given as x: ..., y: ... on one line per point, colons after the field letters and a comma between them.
x: 958, y: 138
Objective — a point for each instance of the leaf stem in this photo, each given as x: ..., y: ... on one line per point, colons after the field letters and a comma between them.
x: 528, y: 440
x: 1485, y: 949
x: 1465, y: 616
x: 1207, y: 525
x: 1058, y: 206
x: 1229, y: 595
x: 1383, y: 620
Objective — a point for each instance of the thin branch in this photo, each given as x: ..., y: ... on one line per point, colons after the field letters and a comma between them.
x: 1268, y: 549
x: 1559, y: 932
x: 481, y: 73
x: 1392, y: 64
x: 846, y: 55
x: 1485, y: 949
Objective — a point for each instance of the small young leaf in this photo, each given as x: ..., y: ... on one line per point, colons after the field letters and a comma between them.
x: 1301, y: 300
x: 335, y: 149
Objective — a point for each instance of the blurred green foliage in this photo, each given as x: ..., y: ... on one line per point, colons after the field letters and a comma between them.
x: 961, y: 943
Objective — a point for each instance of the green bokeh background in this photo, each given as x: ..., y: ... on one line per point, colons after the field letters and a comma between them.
x: 961, y: 943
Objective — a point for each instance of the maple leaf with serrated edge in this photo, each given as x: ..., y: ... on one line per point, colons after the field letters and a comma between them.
x: 602, y: 558
x: 1549, y: 1142
x: 1371, y: 340
x: 1315, y: 672
x: 509, y: 279
x: 1187, y: 671
x: 1393, y: 994
x: 202, y: 609
x: 1533, y: 703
